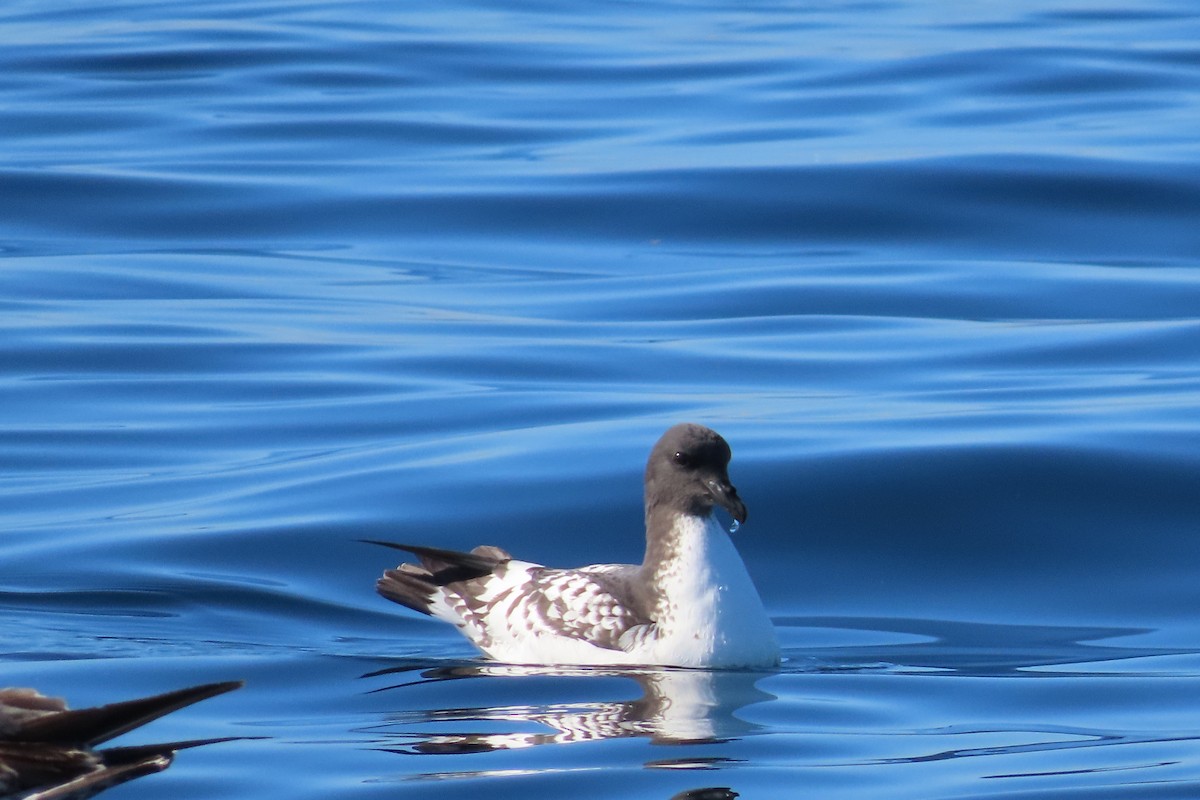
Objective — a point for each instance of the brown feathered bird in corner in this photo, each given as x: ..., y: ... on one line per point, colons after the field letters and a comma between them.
x: 48, y: 752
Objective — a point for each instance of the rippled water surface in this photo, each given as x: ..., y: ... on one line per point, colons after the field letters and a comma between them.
x: 280, y: 276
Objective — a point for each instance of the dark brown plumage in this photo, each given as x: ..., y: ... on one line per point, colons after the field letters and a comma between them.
x: 413, y: 585
x: 47, y: 751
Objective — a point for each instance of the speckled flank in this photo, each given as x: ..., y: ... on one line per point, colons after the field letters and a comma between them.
x: 521, y: 601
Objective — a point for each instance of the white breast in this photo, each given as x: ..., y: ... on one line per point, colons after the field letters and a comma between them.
x: 713, y: 616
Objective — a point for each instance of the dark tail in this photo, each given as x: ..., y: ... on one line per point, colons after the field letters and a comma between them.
x: 414, y: 586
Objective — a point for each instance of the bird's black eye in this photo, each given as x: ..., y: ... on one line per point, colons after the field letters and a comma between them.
x: 683, y: 459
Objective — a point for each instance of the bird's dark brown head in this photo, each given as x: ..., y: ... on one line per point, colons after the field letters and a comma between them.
x: 688, y: 472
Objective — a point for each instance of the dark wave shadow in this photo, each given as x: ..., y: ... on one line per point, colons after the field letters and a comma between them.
x: 970, y: 648
x: 706, y: 793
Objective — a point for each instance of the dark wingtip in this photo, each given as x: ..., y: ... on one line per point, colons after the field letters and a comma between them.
x: 382, y: 543
x: 450, y: 566
x: 122, y: 755
x: 92, y: 726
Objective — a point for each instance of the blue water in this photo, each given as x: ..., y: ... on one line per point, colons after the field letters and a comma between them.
x: 278, y: 275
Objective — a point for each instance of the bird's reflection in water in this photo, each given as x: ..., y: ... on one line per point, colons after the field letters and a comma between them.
x: 677, y: 706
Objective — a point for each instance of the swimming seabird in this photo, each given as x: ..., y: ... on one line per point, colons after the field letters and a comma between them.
x: 690, y: 603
